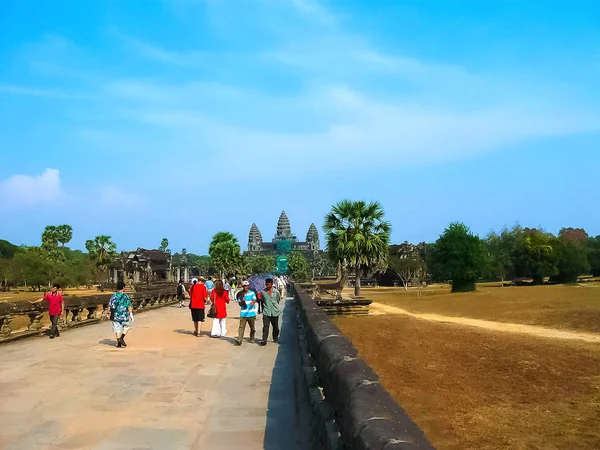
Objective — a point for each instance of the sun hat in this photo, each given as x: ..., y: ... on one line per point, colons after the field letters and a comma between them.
x: 245, y: 283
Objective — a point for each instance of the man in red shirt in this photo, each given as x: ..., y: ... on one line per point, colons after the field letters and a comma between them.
x: 198, y: 297
x: 56, y: 308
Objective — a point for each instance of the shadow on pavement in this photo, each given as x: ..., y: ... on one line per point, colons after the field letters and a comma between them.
x: 191, y: 333
x: 109, y: 342
x: 288, y: 414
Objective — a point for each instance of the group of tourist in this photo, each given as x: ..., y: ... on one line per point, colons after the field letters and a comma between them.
x: 202, y: 296
x: 202, y: 293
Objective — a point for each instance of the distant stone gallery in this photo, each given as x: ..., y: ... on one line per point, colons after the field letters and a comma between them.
x: 284, y: 240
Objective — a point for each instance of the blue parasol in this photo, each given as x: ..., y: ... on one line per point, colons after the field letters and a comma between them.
x: 257, y: 282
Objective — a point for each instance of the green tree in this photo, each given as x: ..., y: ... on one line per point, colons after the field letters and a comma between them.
x: 320, y: 265
x: 50, y: 236
x: 203, y: 264
x: 7, y: 250
x: 102, y: 251
x: 224, y: 251
x: 358, y: 237
x: 593, y: 249
x: 406, y: 261
x: 572, y: 260
x: 30, y: 267
x: 534, y: 256
x: 460, y: 256
x: 184, y: 257
x: 298, y: 267
x: 501, y: 248
x: 164, y: 245
x: 261, y: 264
x: 5, y: 272
x: 64, y: 234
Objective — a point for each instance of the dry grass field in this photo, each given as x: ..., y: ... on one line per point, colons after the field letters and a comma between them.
x: 559, y: 306
x: 15, y: 296
x: 21, y: 322
x: 470, y: 388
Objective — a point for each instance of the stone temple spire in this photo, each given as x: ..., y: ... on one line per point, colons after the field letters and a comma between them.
x: 313, y: 234
x: 283, y: 226
x: 254, y: 238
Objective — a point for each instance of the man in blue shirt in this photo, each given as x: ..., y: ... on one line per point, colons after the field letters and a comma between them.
x: 210, y: 285
x: 249, y: 307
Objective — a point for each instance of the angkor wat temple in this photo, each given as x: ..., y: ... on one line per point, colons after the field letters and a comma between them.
x: 284, y: 240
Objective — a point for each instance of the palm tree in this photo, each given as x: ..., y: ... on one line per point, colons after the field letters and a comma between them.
x: 64, y: 234
x: 102, y: 251
x: 357, y: 237
x: 164, y: 244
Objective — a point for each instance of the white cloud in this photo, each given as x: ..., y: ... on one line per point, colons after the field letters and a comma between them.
x: 22, y: 191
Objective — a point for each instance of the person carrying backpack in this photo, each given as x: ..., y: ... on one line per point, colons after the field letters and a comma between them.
x: 181, y: 291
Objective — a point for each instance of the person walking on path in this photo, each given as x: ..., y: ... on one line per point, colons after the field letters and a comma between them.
x: 198, y: 298
x: 219, y: 298
x: 271, y: 299
x: 210, y: 285
x: 228, y: 288
x: 121, y: 314
x: 181, y: 291
x: 249, y: 307
x: 56, y: 308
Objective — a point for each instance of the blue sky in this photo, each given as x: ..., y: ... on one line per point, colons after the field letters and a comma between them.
x: 180, y: 118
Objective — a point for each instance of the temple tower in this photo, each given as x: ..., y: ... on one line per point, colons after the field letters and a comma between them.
x: 255, y: 239
x: 284, y: 230
x: 312, y: 237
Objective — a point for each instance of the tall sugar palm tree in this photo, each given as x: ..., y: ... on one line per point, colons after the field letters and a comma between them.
x: 357, y: 237
x: 102, y: 251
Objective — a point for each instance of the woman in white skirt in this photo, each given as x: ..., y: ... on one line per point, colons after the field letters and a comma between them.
x: 219, y: 298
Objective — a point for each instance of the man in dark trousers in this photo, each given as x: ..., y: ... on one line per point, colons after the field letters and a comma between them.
x: 56, y: 308
x: 270, y: 298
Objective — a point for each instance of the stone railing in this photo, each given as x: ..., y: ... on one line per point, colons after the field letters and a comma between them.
x: 351, y: 409
x: 78, y: 311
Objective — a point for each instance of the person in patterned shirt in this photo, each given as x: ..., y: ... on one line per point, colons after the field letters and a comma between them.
x: 121, y: 314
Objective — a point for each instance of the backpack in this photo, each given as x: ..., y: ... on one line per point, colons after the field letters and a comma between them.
x: 179, y: 289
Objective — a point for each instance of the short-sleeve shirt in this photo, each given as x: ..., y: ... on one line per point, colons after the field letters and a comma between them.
x: 120, y: 302
x: 54, y: 301
x: 209, y: 285
x: 249, y: 311
x: 198, y: 294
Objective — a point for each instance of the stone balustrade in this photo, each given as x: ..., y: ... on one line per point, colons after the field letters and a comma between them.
x: 351, y: 409
x: 79, y: 311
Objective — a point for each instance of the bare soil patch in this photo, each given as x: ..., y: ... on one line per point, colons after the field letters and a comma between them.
x: 470, y: 388
x: 383, y: 309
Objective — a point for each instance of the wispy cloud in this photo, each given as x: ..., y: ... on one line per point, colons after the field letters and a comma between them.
x: 327, y: 98
x: 40, y: 92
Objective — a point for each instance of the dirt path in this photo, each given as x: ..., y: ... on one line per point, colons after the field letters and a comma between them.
x: 382, y: 309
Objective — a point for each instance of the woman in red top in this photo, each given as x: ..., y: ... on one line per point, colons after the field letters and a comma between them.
x: 220, y: 298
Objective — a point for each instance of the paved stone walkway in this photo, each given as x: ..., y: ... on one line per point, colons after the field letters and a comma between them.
x: 166, y: 390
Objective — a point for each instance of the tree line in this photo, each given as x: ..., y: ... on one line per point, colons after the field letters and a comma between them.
x: 54, y: 262
x: 358, y: 242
